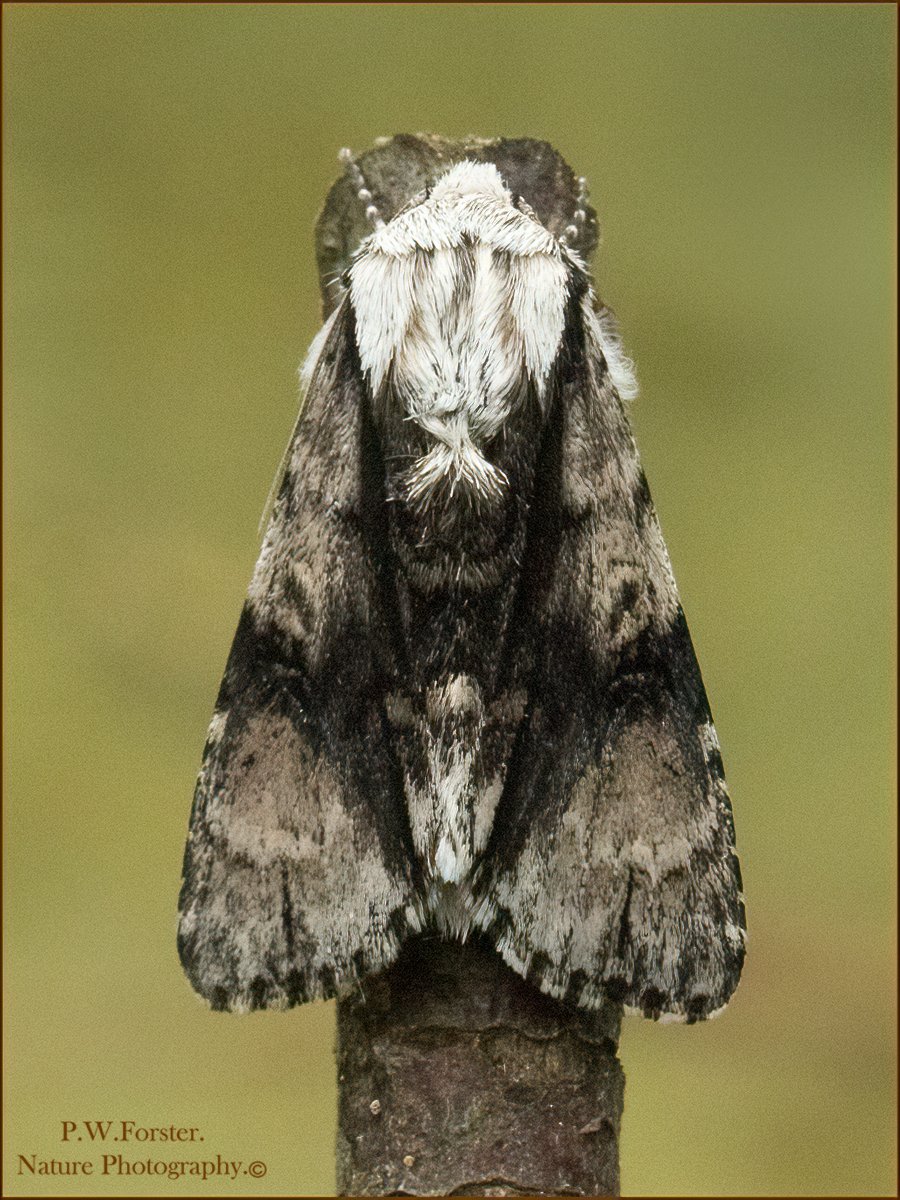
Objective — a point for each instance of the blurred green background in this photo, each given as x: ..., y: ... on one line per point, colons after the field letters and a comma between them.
x: 163, y: 168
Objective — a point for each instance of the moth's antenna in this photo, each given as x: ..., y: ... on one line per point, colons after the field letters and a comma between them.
x: 579, y: 216
x: 363, y: 193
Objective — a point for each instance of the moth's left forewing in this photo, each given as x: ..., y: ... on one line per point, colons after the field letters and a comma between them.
x: 299, y: 872
x: 612, y: 864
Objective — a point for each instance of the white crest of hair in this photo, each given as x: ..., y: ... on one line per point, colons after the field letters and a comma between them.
x: 605, y: 330
x: 460, y: 304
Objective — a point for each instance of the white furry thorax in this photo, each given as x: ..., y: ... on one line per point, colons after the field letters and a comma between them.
x: 460, y: 309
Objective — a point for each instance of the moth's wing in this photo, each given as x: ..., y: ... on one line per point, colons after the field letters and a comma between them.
x: 612, y: 853
x: 297, y: 871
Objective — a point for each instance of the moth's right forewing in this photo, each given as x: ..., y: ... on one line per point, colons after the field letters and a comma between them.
x: 611, y: 869
x: 298, y: 873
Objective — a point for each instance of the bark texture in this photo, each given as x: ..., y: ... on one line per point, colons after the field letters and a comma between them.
x: 457, y: 1077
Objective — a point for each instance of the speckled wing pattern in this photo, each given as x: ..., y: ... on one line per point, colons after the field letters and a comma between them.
x: 611, y: 869
x: 299, y: 872
x: 462, y: 695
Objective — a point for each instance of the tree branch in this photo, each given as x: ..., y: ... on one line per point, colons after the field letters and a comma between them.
x: 457, y: 1077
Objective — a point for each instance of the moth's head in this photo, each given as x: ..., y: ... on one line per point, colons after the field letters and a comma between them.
x: 402, y: 172
x: 460, y: 183
x: 469, y: 201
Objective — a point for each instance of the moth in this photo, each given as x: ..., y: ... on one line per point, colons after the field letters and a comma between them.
x: 462, y: 696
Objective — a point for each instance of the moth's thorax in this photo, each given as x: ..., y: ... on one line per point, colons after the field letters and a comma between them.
x: 460, y: 308
x: 460, y: 536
